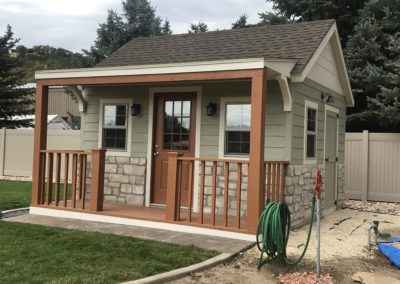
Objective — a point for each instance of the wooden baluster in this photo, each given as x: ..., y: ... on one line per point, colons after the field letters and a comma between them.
x: 226, y: 193
x: 282, y: 188
x: 190, y: 184
x: 74, y: 178
x: 203, y: 182
x: 50, y: 179
x: 180, y: 184
x: 278, y: 182
x: 66, y: 174
x: 238, y: 193
x: 273, y: 182
x: 80, y: 193
x: 214, y: 193
x: 83, y: 180
x: 269, y: 187
x: 42, y: 187
x: 58, y: 178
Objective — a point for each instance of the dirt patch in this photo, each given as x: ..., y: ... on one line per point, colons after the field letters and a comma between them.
x: 344, y: 251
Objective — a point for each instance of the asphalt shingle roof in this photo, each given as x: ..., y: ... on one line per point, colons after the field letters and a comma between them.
x: 290, y: 41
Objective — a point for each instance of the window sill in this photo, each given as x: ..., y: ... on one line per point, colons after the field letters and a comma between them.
x: 113, y: 153
x: 235, y: 157
x: 310, y: 161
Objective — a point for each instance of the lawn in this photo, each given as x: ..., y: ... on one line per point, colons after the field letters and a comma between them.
x: 39, y: 254
x: 14, y: 194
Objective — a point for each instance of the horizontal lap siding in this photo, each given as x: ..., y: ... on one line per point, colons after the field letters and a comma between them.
x: 276, y: 142
x: 139, y: 124
x: 307, y: 91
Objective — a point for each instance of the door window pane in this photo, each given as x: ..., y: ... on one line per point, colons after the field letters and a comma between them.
x: 177, y: 124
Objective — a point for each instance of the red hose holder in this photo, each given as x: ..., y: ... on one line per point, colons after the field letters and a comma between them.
x: 318, y: 184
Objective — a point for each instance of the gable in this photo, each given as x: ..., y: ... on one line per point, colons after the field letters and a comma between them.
x: 326, y: 71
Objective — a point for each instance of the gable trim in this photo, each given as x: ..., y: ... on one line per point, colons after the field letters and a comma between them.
x: 331, y: 37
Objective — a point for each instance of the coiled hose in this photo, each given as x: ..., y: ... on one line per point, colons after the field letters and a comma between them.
x: 273, y: 233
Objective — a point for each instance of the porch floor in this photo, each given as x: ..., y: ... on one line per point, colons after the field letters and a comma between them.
x: 158, y: 214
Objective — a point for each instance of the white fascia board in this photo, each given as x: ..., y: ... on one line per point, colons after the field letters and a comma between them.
x: 190, y: 67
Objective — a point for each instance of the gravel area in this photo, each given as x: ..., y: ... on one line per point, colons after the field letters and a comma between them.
x: 391, y: 208
x: 344, y: 238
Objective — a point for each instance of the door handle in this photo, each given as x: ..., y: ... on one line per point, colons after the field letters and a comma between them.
x: 156, y: 153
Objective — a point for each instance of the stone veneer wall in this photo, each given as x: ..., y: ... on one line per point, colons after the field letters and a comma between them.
x: 299, y: 190
x: 124, y: 180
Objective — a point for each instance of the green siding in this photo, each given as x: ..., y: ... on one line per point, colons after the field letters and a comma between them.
x: 277, y: 142
x: 309, y: 91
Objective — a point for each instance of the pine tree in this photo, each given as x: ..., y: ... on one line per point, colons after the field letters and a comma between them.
x: 240, y: 23
x: 345, y: 12
x: 14, y: 100
x: 373, y: 56
x: 138, y: 19
x: 200, y: 27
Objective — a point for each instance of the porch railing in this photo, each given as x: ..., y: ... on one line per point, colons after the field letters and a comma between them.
x: 65, y: 179
x: 220, y: 200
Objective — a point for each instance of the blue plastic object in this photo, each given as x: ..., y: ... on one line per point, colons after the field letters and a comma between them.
x: 391, y: 250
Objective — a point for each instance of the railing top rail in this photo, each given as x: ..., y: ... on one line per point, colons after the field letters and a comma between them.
x: 66, y: 152
x: 210, y: 159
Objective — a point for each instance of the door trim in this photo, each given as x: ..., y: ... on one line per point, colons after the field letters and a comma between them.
x: 149, y: 157
x: 334, y: 110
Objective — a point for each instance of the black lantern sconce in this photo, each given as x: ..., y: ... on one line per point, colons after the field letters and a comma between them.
x: 328, y: 99
x: 136, y: 109
x: 211, y: 109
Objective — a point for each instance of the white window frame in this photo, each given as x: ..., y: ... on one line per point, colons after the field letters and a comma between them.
x: 310, y: 105
x: 222, y: 107
x: 128, y: 102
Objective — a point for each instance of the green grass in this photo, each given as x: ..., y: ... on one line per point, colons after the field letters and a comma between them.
x: 14, y: 194
x: 38, y: 254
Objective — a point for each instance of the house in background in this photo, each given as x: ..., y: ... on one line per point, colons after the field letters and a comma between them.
x: 194, y: 132
x: 62, y: 105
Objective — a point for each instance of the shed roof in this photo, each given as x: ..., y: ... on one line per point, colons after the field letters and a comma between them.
x: 296, y: 42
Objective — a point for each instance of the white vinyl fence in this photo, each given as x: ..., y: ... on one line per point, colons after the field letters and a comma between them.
x: 16, y: 149
x: 372, y: 166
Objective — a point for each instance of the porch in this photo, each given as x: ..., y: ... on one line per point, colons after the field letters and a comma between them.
x: 197, y: 190
x: 73, y: 181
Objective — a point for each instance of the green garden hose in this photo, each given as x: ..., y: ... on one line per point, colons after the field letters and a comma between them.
x: 273, y: 233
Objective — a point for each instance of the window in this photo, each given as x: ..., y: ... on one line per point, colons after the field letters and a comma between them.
x: 310, y: 130
x: 177, y: 124
x: 115, y: 126
x: 237, y: 129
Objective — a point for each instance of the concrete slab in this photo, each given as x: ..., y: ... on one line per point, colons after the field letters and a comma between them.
x: 219, y: 244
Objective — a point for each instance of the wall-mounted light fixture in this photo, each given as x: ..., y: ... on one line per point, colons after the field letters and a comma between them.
x: 326, y: 98
x: 136, y: 109
x: 211, y: 109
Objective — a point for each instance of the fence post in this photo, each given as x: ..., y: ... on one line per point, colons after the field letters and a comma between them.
x: 97, y: 182
x: 365, y: 165
x: 172, y: 192
x: 3, y: 151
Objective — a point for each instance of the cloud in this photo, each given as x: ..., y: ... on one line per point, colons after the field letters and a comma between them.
x: 72, y: 24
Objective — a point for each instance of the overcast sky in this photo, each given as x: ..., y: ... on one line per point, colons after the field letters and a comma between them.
x: 72, y: 24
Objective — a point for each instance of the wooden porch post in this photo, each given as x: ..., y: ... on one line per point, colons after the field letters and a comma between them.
x: 256, y: 184
x: 40, y: 141
x: 97, y: 182
x: 172, y: 192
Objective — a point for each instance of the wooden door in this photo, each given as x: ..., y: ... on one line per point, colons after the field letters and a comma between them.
x: 174, y: 131
x: 330, y: 158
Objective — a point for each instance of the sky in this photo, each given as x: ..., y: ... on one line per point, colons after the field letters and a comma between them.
x: 72, y: 24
